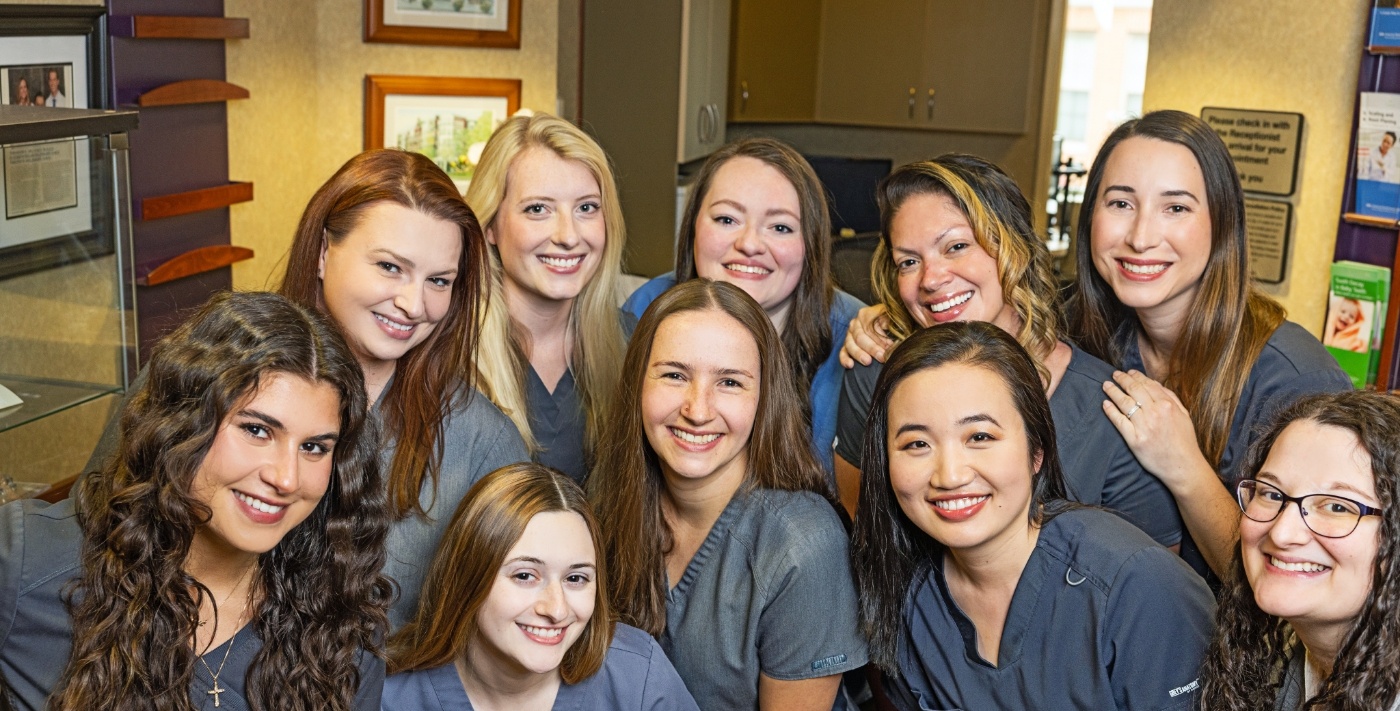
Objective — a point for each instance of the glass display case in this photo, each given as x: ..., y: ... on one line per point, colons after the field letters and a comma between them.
x: 67, y: 316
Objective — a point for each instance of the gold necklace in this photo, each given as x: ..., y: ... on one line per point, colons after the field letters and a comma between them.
x: 214, y: 675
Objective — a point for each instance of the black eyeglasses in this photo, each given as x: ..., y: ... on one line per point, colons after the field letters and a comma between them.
x: 1324, y: 514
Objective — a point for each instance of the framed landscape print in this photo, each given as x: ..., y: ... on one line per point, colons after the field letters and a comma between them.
x: 469, y: 23
x: 447, y: 119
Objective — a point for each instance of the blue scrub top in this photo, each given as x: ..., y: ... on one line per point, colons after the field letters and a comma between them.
x: 825, y: 390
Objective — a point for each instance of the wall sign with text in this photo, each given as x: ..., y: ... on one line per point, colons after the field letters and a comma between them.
x: 1264, y: 145
x: 1267, y: 224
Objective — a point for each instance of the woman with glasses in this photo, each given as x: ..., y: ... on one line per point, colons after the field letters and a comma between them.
x: 1308, y: 617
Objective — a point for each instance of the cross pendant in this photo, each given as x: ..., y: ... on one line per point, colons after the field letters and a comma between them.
x: 216, y: 691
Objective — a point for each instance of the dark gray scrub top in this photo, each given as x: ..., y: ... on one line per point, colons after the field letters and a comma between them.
x: 1292, y: 364
x: 636, y: 676
x: 769, y: 591
x: 1102, y: 618
x: 556, y: 419
x: 477, y: 440
x: 1099, y: 467
x: 39, y: 547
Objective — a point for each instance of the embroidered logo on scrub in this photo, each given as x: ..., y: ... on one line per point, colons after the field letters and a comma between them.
x: 1178, y: 691
x: 828, y: 662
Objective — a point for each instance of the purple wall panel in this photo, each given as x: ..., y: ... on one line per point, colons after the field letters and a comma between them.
x: 165, y: 306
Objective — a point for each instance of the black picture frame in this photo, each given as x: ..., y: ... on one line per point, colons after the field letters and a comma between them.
x: 90, y: 23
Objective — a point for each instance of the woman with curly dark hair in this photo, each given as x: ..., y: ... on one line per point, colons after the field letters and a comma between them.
x: 196, y: 570
x: 1308, y: 617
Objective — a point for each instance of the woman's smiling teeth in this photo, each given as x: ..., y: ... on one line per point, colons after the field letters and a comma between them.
x: 694, y: 438
x: 258, y: 504
x: 394, y: 324
x: 1297, y: 567
x: 747, y: 269
x: 545, y: 632
x: 958, y: 504
x: 949, y: 303
x: 1147, y: 269
x: 562, y: 262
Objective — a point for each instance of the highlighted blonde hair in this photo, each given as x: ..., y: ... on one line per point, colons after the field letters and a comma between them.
x: 503, y: 353
x: 1000, y: 219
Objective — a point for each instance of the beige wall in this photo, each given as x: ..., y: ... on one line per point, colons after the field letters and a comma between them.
x: 305, y: 65
x: 1276, y: 55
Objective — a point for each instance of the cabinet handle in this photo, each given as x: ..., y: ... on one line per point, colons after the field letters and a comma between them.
x: 714, y: 122
x: 700, y: 124
x: 911, y: 101
x: 930, y: 104
x: 743, y: 96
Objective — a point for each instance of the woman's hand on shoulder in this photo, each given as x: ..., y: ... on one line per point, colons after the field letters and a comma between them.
x: 866, y: 337
x: 1155, y: 425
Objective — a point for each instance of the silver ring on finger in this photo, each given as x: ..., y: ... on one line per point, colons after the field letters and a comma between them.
x: 1136, y: 406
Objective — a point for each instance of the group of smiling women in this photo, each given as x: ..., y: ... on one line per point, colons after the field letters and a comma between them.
x: 441, y: 469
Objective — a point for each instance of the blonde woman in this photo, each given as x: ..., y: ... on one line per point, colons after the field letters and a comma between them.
x: 553, y: 339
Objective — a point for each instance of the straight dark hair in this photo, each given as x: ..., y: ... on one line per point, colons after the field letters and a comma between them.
x: 135, y: 609
x: 1229, y: 322
x: 625, y: 488
x: 888, y: 551
x: 807, y: 333
x: 1243, y: 665
x: 438, y: 372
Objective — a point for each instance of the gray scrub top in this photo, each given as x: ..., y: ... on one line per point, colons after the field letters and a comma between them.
x: 1099, y: 467
x: 1102, y: 618
x: 636, y: 676
x: 39, y: 547
x: 1292, y: 364
x: 477, y: 440
x: 769, y: 591
x: 556, y: 420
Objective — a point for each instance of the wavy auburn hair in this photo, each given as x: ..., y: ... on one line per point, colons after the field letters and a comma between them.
x: 135, y: 609
x: 1229, y: 321
x: 888, y: 551
x: 807, y: 333
x: 1244, y: 663
x: 626, y: 485
x: 597, y: 334
x: 489, y: 522
x: 1000, y: 219
x: 435, y: 374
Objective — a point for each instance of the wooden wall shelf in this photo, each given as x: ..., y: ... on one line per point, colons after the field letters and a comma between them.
x: 1357, y: 218
x: 193, y: 91
x: 177, y: 27
x: 195, y: 261
x: 162, y: 206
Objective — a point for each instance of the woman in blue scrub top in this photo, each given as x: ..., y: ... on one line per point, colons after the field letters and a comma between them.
x: 1165, y: 295
x: 757, y: 218
x: 1307, y: 618
x: 980, y: 586
x: 718, y: 528
x: 515, y: 613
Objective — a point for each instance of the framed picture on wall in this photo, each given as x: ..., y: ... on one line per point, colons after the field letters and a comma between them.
x: 468, y: 23
x: 447, y: 119
x: 50, y: 57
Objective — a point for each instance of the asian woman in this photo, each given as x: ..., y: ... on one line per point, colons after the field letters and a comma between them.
x: 515, y: 612
x: 717, y: 529
x: 981, y: 587
x: 193, y: 571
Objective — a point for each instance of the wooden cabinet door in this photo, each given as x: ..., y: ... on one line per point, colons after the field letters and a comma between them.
x: 979, y: 59
x: 872, y: 56
x: 704, y: 71
x: 773, y: 60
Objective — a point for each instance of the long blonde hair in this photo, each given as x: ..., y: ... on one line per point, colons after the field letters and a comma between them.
x: 503, y: 352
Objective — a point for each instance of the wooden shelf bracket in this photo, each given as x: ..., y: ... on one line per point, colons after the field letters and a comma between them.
x: 195, y: 261
x: 177, y: 27
x: 162, y: 206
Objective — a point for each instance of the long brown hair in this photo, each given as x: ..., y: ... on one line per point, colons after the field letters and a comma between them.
x: 135, y: 609
x: 598, y: 341
x: 1243, y: 665
x: 1000, y: 219
x: 626, y: 486
x: 489, y: 521
x: 807, y: 331
x: 1229, y: 321
x: 438, y: 372
x: 888, y: 551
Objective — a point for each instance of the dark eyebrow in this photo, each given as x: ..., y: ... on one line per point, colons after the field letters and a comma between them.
x: 524, y: 559
x: 267, y: 419
x: 734, y: 371
x: 671, y: 364
x: 581, y: 566
x: 1119, y: 188
x: 911, y: 427
x: 1180, y: 193
x: 979, y: 417
x: 1274, y: 481
x: 397, y: 257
